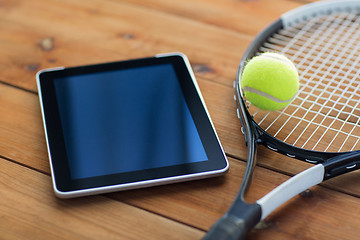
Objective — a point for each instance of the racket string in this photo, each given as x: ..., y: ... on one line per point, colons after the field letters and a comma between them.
x: 340, y: 56
x: 313, y: 50
x: 330, y: 110
x: 290, y: 45
x: 336, y: 103
x: 326, y: 108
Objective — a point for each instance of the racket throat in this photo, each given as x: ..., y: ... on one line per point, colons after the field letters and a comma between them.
x: 342, y: 164
x: 241, y: 211
x: 236, y: 223
x: 250, y: 163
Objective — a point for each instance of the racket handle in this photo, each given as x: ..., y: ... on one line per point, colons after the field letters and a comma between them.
x: 232, y: 227
x: 226, y: 229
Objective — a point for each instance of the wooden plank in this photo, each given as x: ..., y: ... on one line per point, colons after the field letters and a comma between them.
x: 232, y: 15
x: 23, y: 138
x: 28, y: 210
x: 110, y: 30
x: 27, y: 196
x: 107, y: 31
x: 197, y: 203
x: 23, y: 38
x: 21, y: 130
x: 316, y: 214
x: 22, y: 54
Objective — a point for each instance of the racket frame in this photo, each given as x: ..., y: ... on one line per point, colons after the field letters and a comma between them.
x: 329, y: 164
x: 242, y: 216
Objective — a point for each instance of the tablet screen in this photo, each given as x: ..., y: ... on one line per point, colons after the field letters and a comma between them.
x: 129, y: 124
x: 126, y: 120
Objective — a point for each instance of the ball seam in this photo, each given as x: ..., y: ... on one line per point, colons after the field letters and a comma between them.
x: 268, y: 96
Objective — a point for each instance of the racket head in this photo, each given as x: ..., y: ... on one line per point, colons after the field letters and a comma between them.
x: 238, y: 219
x: 322, y: 39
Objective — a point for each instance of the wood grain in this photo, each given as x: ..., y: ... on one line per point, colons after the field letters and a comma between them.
x: 203, y: 202
x: 23, y: 137
x: 28, y: 211
x: 181, y: 202
x: 214, y: 34
x: 107, y: 31
x: 235, y: 15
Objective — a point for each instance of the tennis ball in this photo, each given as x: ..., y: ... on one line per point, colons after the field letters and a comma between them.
x: 270, y: 81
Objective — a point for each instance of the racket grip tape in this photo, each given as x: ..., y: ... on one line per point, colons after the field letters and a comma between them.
x: 235, y: 227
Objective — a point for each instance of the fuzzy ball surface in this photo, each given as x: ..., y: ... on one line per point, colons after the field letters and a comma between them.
x: 270, y: 81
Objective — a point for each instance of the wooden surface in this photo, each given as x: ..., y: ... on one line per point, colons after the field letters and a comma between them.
x: 214, y: 34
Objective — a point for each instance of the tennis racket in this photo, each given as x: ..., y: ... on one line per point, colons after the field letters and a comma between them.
x: 321, y: 125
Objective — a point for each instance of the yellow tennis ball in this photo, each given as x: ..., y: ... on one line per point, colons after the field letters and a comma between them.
x: 270, y: 81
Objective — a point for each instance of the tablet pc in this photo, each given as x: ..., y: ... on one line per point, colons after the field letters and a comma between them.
x: 124, y: 125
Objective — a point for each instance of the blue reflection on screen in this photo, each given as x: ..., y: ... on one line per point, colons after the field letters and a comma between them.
x: 126, y: 120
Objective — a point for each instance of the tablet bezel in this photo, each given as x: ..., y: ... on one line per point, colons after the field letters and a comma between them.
x: 66, y: 187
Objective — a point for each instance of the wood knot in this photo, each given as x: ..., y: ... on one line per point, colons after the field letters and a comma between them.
x: 127, y: 36
x: 202, y: 68
x: 32, y: 67
x: 263, y: 225
x: 306, y: 194
x: 47, y: 44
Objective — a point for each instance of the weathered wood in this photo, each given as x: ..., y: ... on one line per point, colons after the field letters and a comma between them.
x: 203, y: 202
x: 23, y: 139
x: 28, y: 211
x: 214, y: 34
x: 99, y: 31
x: 210, y: 198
